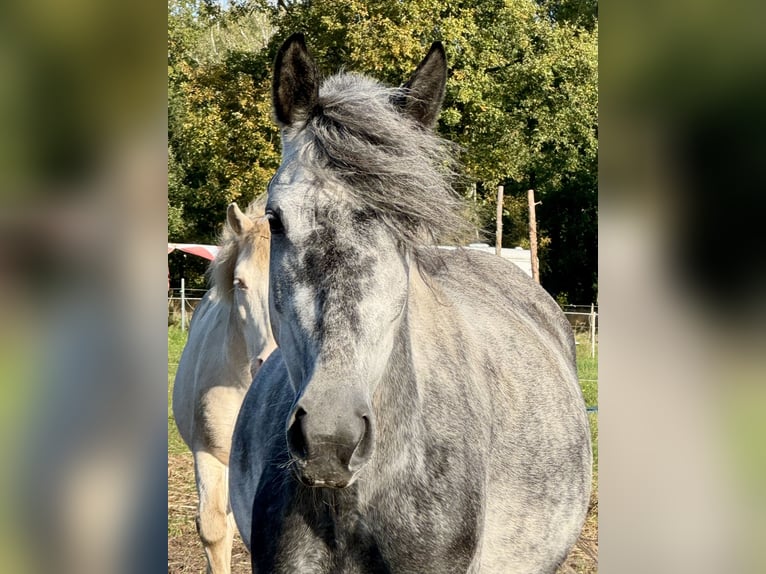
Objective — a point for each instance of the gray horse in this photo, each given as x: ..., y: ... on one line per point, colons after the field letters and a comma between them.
x: 422, y: 413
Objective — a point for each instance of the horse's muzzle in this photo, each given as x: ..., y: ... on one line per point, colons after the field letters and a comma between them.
x: 329, y: 455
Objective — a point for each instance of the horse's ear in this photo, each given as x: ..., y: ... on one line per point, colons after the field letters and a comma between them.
x: 424, y: 91
x: 238, y: 221
x: 295, y: 89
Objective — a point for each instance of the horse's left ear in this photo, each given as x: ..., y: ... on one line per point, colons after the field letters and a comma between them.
x: 238, y: 221
x: 424, y: 91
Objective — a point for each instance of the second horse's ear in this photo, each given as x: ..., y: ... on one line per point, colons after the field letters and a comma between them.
x: 423, y: 94
x: 238, y: 221
x: 295, y: 87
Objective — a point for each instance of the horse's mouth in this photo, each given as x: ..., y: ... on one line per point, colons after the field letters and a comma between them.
x: 312, y: 478
x: 324, y: 483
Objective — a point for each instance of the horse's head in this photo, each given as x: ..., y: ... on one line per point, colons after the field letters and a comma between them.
x: 345, y: 211
x: 240, y: 273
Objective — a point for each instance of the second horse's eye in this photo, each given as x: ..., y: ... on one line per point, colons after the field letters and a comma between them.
x: 275, y: 222
x: 239, y: 283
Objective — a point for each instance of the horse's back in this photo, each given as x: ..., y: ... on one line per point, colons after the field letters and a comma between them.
x: 504, y: 315
x: 490, y: 285
x: 520, y: 363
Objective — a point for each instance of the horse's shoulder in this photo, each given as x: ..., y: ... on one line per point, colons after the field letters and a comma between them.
x: 257, y: 450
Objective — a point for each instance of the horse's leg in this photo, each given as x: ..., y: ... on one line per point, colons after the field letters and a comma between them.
x: 213, y: 523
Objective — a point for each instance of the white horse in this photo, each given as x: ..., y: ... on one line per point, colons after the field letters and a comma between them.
x: 229, y: 338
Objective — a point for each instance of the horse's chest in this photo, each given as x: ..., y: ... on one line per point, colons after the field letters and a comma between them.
x: 402, y: 534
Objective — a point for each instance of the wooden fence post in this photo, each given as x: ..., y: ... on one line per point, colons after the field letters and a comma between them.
x: 183, y: 305
x: 592, y: 331
x: 533, y: 235
x: 499, y: 232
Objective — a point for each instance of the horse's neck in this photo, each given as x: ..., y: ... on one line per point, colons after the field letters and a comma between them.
x: 248, y: 347
x: 229, y: 342
x: 399, y: 398
x: 397, y: 395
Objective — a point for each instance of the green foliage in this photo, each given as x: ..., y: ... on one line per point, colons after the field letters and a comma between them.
x: 223, y: 145
x: 521, y: 102
x: 569, y: 215
x: 178, y: 227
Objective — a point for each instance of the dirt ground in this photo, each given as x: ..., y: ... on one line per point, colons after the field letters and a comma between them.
x: 185, y: 554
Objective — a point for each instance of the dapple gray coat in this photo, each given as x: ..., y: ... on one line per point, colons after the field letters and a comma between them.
x: 422, y: 413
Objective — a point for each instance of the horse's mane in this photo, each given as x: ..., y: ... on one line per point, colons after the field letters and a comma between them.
x: 221, y: 270
x: 389, y: 165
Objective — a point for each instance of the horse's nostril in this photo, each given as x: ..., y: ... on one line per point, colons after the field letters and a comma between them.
x: 296, y: 439
x: 365, y: 429
x: 327, y: 448
x: 363, y: 448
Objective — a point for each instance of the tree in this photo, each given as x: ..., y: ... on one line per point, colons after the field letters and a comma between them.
x: 528, y: 118
x: 223, y: 145
x: 521, y: 102
x: 521, y: 99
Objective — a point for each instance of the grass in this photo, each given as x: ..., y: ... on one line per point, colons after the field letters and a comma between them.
x: 185, y: 550
x: 584, y: 556
x: 176, y: 342
x: 587, y: 370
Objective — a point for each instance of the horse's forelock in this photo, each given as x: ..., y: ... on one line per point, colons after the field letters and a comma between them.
x: 386, y: 163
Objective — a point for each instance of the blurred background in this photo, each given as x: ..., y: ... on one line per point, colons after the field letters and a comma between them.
x: 682, y: 276
x: 84, y: 273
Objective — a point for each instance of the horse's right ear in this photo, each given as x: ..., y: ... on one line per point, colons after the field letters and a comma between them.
x: 238, y: 221
x: 295, y: 89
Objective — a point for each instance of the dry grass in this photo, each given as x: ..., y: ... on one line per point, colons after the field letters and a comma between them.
x: 185, y: 553
x: 583, y: 559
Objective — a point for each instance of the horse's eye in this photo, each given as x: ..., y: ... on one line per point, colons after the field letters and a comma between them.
x: 239, y: 283
x: 275, y: 223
